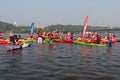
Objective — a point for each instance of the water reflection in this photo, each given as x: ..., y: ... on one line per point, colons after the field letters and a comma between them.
x: 61, y: 61
x: 15, y: 52
x: 50, y: 47
x: 109, y: 50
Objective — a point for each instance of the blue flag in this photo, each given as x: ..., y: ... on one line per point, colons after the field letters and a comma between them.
x: 32, y: 27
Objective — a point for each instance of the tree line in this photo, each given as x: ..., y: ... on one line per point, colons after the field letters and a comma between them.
x: 6, y: 27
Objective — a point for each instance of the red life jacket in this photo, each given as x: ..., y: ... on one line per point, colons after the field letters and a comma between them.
x: 1, y: 34
x: 56, y: 35
x: 31, y: 34
x: 39, y: 34
x: 50, y: 35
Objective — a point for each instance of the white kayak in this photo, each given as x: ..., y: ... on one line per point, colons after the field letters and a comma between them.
x: 17, y: 47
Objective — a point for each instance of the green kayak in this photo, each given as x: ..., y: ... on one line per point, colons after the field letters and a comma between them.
x: 89, y: 44
x: 47, y: 40
x: 26, y: 41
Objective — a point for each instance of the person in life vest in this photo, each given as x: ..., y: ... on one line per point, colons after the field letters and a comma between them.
x: 69, y: 35
x: 109, y: 37
x: 1, y: 35
x: 13, y: 40
x: 31, y: 35
x: 98, y: 38
x: 44, y: 35
x: 50, y: 35
x: 57, y: 36
x: 40, y: 40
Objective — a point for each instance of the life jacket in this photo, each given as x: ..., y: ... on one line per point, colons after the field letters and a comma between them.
x: 1, y: 34
x: 50, y: 35
x: 88, y: 35
x: 31, y: 35
x: 39, y: 34
x: 110, y: 36
x: 56, y: 35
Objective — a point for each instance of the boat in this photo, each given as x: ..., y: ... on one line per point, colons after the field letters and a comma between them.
x: 28, y: 40
x: 106, y: 41
x: 14, y: 47
x: 68, y: 41
x: 58, y: 40
x: 4, y: 42
x: 89, y: 44
x: 24, y: 45
x: 18, y: 47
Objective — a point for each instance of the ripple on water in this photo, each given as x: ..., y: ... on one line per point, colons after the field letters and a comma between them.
x: 61, y: 62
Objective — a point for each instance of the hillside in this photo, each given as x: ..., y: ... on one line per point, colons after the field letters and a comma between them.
x: 6, y: 27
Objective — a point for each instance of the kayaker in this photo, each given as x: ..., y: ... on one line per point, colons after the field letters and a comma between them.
x: 43, y: 35
x: 31, y: 35
x: 69, y: 35
x: 16, y: 38
x: 72, y: 35
x: 40, y: 37
x: 109, y: 42
x: 98, y: 38
x: 57, y: 36
x: 114, y: 37
x: 109, y: 37
x: 12, y: 42
x: 51, y: 37
x: 1, y: 35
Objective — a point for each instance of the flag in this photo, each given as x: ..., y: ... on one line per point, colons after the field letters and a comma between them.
x: 84, y: 29
x: 32, y: 27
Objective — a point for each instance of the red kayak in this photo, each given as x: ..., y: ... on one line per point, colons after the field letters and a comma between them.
x: 113, y: 41
x: 68, y: 41
x: 4, y: 42
x: 58, y: 40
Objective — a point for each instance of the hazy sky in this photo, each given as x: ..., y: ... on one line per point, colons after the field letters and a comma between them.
x: 48, y: 12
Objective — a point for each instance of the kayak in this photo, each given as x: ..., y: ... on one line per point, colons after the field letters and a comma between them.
x: 68, y: 41
x: 99, y: 45
x: 80, y: 43
x: 47, y: 40
x: 14, y: 47
x: 24, y: 45
x: 63, y: 41
x: 4, y: 42
x: 26, y: 41
x: 58, y: 40
x: 106, y: 41
x: 89, y: 44
x: 18, y: 47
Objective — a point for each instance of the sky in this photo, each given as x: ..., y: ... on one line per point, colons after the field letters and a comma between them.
x: 66, y: 12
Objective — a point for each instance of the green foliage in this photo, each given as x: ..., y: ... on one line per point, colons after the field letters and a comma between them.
x: 6, y: 27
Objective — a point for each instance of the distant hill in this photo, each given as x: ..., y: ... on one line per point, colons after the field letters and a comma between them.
x: 76, y: 28
x: 64, y: 28
x: 6, y: 27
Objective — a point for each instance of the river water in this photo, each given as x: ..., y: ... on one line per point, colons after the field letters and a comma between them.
x: 60, y: 61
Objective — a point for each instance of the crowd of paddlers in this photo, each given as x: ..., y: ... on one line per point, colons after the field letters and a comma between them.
x: 40, y: 37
